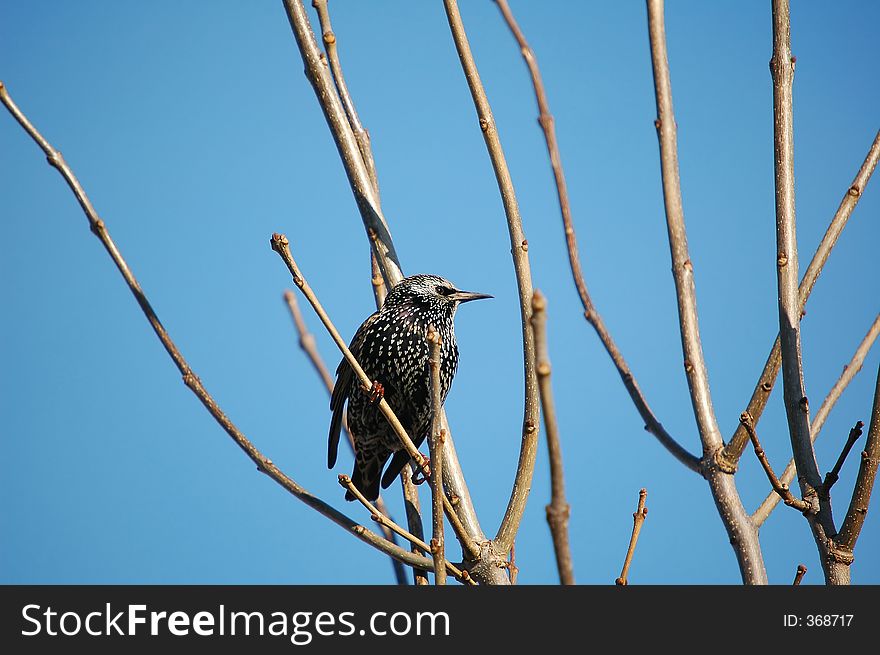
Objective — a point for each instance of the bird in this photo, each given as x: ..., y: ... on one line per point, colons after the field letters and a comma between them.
x: 391, y: 346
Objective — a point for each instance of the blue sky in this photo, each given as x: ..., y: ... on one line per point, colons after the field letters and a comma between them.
x: 196, y: 135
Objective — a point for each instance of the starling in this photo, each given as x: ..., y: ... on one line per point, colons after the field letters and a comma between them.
x: 392, y: 349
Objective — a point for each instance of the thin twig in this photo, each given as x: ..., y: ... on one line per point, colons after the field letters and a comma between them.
x: 360, y: 133
x: 639, y: 517
x: 413, y: 518
x: 761, y: 394
x: 849, y: 372
x: 435, y: 443
x: 741, y: 532
x: 377, y: 516
x: 264, y: 465
x: 794, y: 394
x: 545, y: 119
x: 309, y: 346
x: 519, y: 249
x: 281, y: 245
x: 861, y: 497
x: 799, y: 575
x: 781, y: 489
x: 834, y: 474
x: 558, y: 511
x: 307, y: 342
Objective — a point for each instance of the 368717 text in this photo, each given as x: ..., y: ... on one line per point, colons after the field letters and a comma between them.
x: 818, y: 620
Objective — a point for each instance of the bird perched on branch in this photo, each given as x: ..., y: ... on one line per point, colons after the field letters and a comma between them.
x: 392, y: 349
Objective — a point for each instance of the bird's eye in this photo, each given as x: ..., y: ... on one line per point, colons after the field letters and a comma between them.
x: 444, y: 291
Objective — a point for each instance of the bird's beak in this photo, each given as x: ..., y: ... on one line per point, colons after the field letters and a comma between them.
x: 467, y: 296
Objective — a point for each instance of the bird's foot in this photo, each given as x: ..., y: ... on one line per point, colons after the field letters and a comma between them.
x: 423, y: 472
x: 377, y: 393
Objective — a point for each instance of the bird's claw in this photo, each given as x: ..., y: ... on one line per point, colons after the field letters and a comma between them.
x: 423, y: 473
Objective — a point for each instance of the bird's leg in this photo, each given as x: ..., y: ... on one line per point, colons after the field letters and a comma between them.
x: 377, y: 393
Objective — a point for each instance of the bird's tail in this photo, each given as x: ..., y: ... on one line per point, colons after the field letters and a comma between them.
x: 367, y: 473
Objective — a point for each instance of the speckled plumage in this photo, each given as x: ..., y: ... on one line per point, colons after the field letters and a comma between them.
x: 391, y: 347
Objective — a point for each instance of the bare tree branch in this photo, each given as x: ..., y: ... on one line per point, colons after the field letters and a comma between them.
x: 558, y: 511
x: 377, y: 516
x: 849, y: 372
x: 545, y: 119
x: 682, y: 267
x: 361, y: 135
x: 378, y: 284
x: 799, y: 575
x: 469, y: 547
x: 281, y: 245
x: 794, y: 393
x: 639, y: 517
x: 861, y: 497
x: 435, y: 443
x: 309, y: 347
x: 190, y: 379
x: 519, y: 249
x: 734, y: 449
x: 413, y: 517
x: 781, y: 489
x: 740, y: 529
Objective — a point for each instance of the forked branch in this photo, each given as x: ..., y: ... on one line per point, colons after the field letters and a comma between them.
x: 741, y: 531
x: 761, y: 394
x: 376, y: 515
x: 849, y: 372
x: 781, y: 489
x: 797, y: 408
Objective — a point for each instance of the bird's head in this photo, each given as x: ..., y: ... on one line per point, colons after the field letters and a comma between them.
x: 430, y: 292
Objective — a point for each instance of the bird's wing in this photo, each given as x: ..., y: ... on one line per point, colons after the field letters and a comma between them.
x: 344, y: 379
